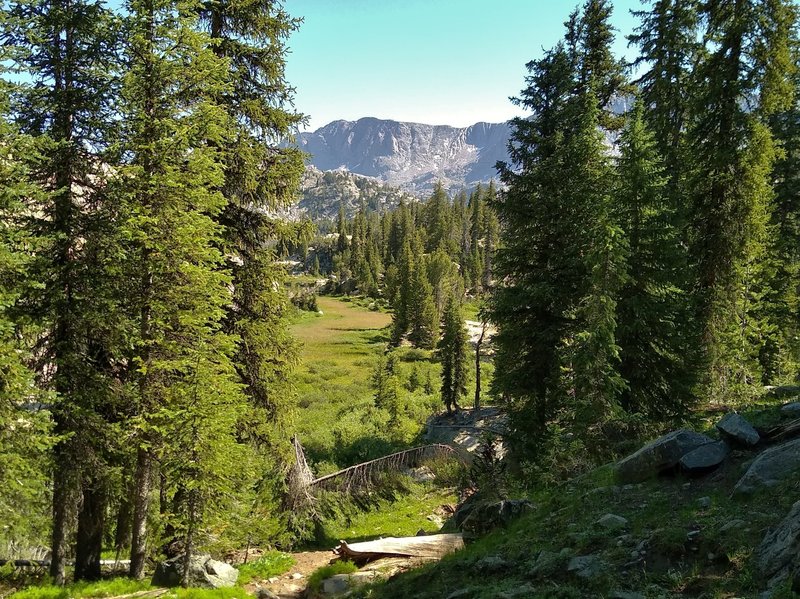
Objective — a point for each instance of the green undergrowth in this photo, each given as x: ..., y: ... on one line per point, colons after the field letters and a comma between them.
x: 684, y: 537
x: 273, y: 563
x: 103, y: 588
x: 412, y: 508
x: 320, y: 574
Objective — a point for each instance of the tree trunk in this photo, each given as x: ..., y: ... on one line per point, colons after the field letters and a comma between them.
x: 190, y: 528
x: 477, y: 405
x: 60, y: 517
x: 91, y: 521
x: 122, y: 533
x: 141, y: 506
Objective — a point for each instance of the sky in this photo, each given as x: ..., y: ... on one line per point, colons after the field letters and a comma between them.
x: 439, y: 62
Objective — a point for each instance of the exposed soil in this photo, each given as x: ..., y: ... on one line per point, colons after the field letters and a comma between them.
x: 289, y: 585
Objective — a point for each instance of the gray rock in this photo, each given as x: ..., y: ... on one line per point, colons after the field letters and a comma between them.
x: 733, y: 426
x: 338, y: 584
x: 704, y: 503
x: 770, y: 468
x: 262, y: 593
x: 204, y: 572
x: 777, y: 558
x: 612, y: 522
x: 782, y: 390
x: 522, y: 592
x: 662, y: 454
x: 492, y: 564
x: 461, y: 594
x: 791, y: 409
x: 705, y: 458
x: 731, y: 525
x: 587, y: 567
x: 547, y: 563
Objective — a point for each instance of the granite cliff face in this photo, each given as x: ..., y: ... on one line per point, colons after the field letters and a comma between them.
x: 411, y: 156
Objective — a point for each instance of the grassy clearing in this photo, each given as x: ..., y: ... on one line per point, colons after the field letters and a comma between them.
x: 273, y: 563
x: 104, y: 588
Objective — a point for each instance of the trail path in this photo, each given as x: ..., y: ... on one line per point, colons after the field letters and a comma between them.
x: 289, y: 585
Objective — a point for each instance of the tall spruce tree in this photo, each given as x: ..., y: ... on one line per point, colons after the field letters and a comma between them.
x: 66, y: 51
x: 655, y: 352
x: 733, y: 153
x: 452, y: 349
x: 183, y: 375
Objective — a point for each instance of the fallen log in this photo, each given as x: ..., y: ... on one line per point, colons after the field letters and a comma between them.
x: 151, y: 593
x: 429, y: 547
x: 783, y: 431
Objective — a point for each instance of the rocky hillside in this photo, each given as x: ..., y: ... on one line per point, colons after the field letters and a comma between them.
x: 691, y: 514
x: 411, y: 156
x: 321, y: 192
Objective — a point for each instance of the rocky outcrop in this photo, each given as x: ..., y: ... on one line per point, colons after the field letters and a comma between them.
x: 660, y: 455
x: 774, y: 465
x: 485, y: 517
x: 778, y: 557
x: 204, y: 572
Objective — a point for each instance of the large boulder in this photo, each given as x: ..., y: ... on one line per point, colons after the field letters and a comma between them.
x: 734, y: 427
x: 778, y: 557
x: 774, y: 465
x: 660, y: 455
x: 705, y: 458
x: 204, y: 572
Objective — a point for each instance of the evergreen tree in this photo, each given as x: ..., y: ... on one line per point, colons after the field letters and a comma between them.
x: 651, y: 314
x: 452, y: 349
x: 65, y: 52
x: 183, y: 372
x: 732, y: 155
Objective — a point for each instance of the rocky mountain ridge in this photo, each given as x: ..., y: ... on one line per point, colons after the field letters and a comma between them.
x: 411, y: 156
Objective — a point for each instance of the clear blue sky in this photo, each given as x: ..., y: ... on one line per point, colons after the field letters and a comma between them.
x: 440, y: 62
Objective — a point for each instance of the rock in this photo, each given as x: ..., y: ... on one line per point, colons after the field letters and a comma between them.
x: 732, y: 524
x: 522, y: 592
x: 735, y: 427
x: 705, y: 458
x: 491, y: 564
x: 338, y: 584
x: 777, y: 558
x: 421, y: 533
x: 296, y: 576
x: 547, y: 563
x: 262, y: 593
x: 782, y: 390
x: 791, y: 409
x: 770, y: 468
x: 660, y: 455
x: 461, y: 594
x: 204, y: 572
x: 423, y: 474
x: 488, y: 516
x: 587, y: 567
x: 704, y: 503
x: 612, y: 522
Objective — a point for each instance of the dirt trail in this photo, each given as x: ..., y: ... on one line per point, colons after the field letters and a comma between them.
x: 289, y: 585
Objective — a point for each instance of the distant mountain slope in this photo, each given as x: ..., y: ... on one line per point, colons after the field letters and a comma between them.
x: 321, y: 193
x: 411, y: 156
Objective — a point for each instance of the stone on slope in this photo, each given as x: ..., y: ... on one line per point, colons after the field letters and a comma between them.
x: 770, y: 468
x: 705, y: 458
x: 791, y: 409
x: 660, y: 455
x: 587, y: 567
x: 733, y: 426
x: 612, y: 522
x: 204, y: 572
x: 777, y: 558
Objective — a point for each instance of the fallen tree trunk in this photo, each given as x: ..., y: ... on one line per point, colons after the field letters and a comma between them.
x: 429, y: 547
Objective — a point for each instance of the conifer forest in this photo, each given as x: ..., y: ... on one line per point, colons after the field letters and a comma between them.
x: 189, y: 368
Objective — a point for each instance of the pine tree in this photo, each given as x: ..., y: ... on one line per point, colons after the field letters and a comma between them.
x: 732, y: 155
x: 651, y: 314
x: 65, y: 52
x: 452, y: 349
x: 184, y: 377
x: 24, y: 495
